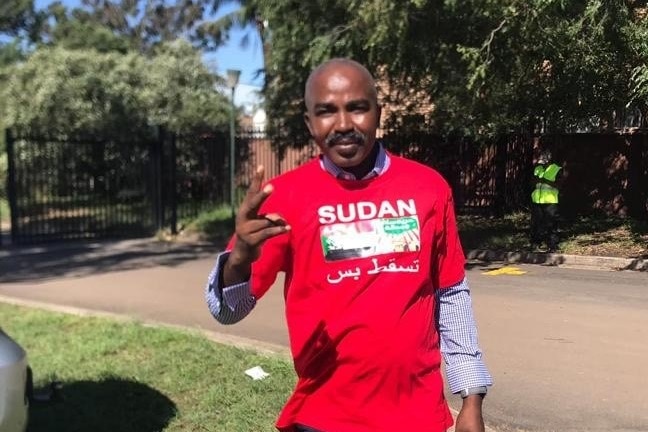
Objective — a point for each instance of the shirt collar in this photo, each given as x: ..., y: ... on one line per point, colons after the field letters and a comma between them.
x: 382, y: 163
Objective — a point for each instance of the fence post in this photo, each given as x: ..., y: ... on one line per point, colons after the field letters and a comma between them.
x: 172, y: 187
x: 636, y: 199
x: 280, y: 154
x: 156, y: 171
x: 500, y: 175
x: 11, y: 185
x: 6, y: 185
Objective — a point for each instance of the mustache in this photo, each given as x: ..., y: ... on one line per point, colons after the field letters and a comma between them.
x: 336, y: 137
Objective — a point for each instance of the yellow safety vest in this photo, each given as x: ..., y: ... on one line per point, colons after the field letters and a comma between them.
x: 544, y: 193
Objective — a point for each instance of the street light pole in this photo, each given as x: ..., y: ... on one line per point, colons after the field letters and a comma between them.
x: 232, y: 81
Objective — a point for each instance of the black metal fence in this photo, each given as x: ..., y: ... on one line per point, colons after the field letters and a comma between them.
x: 89, y: 188
x: 197, y: 169
x: 64, y: 189
x: 490, y: 177
x: 79, y: 188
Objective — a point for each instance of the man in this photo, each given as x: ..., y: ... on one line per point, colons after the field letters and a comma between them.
x: 374, y: 274
x: 544, y: 207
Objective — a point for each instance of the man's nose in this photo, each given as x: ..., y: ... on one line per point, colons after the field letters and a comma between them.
x: 343, y: 123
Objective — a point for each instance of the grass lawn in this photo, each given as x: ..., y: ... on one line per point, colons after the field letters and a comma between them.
x: 126, y: 377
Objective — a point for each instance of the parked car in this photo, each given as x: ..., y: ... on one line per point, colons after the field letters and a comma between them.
x: 15, y: 383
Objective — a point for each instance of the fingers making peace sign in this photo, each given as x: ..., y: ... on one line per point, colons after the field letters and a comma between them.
x: 252, y: 228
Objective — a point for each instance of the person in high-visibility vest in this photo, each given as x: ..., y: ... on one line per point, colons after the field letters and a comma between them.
x: 544, y: 199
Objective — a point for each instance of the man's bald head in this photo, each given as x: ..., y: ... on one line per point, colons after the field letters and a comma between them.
x: 343, y: 114
x: 339, y: 65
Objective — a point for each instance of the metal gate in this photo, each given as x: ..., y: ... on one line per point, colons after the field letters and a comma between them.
x: 69, y: 189
x: 91, y: 188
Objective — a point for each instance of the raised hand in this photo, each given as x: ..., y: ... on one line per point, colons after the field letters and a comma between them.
x: 252, y: 230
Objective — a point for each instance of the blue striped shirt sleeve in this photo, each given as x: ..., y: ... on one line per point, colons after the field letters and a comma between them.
x: 234, y: 303
x: 458, y: 333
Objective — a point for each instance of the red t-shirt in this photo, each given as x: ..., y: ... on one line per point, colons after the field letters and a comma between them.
x: 362, y: 261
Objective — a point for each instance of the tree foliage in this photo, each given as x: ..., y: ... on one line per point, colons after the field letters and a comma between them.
x: 108, y: 65
x: 141, y: 25
x: 62, y: 91
x: 110, y: 68
x: 211, y: 33
x: 486, y: 67
x: 81, y: 30
x: 472, y: 67
x: 17, y: 16
x: 18, y: 22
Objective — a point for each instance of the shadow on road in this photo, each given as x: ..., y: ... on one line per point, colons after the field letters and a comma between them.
x: 109, y: 405
x: 82, y: 258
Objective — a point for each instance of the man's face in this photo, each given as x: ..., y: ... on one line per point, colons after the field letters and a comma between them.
x: 342, y: 114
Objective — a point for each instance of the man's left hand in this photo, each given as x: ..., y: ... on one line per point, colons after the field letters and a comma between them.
x: 470, y: 417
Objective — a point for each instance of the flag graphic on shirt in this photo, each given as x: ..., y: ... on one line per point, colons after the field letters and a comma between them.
x: 368, y: 238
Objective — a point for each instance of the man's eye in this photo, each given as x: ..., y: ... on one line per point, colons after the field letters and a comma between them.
x: 359, y: 108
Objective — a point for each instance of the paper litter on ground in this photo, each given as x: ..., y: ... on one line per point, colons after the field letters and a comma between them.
x: 257, y: 373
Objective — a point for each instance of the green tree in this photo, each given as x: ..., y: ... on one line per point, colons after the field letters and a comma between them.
x: 486, y: 67
x: 79, y: 29
x: 638, y: 36
x: 141, y: 25
x: 211, y: 33
x: 182, y: 94
x: 18, y: 21
x: 66, y: 92
x: 16, y: 16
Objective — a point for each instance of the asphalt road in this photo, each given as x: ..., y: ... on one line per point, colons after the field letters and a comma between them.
x: 566, y: 347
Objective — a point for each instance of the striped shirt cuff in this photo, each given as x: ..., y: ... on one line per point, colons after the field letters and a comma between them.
x: 458, y: 336
x: 235, y: 302
x: 472, y: 373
